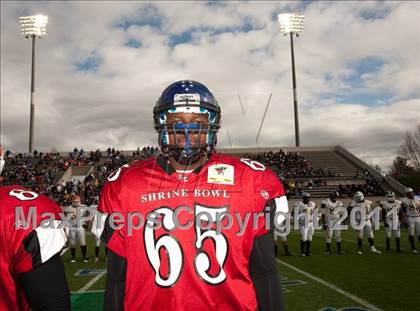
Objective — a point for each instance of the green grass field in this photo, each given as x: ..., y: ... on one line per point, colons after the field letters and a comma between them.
x: 390, y: 281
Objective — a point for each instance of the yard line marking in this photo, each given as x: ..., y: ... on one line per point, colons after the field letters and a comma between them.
x: 90, y: 283
x: 90, y: 291
x: 332, y: 286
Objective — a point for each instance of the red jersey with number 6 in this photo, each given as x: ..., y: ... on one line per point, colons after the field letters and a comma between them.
x: 187, y: 237
x: 24, y: 244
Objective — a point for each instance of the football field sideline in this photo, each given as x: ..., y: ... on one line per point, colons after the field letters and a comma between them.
x: 331, y: 286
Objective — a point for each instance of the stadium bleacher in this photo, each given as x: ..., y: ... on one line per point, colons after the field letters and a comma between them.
x: 318, y: 170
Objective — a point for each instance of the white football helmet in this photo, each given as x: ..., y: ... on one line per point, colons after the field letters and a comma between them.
x: 408, y: 190
x: 390, y: 196
x: 359, y: 196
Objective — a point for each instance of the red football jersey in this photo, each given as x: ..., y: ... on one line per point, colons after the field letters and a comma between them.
x: 205, y: 264
x: 24, y: 244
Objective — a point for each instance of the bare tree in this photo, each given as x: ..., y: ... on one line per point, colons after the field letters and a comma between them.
x: 410, y: 148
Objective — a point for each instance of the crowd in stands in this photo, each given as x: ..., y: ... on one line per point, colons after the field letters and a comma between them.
x: 37, y: 172
x: 372, y: 187
x: 41, y: 171
x: 290, y: 165
x: 295, y: 188
x: 298, y: 176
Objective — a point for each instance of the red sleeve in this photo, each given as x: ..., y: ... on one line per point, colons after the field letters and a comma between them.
x: 109, y: 207
x: 43, y: 236
x: 268, y: 189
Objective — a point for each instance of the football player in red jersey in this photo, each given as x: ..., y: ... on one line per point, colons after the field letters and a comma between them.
x: 189, y: 261
x: 32, y: 273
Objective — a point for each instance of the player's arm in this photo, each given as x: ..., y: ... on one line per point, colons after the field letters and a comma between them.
x: 324, y: 222
x: 45, y: 287
x: 401, y: 214
x: 113, y: 237
x: 263, y: 270
x: 116, y: 267
x: 115, y: 282
x: 383, y: 214
x: 404, y: 207
x: 39, y: 269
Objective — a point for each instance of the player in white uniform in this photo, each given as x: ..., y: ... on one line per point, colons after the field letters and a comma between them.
x: 306, y: 223
x: 97, y: 245
x: 365, y: 205
x: 88, y: 226
x: 391, y: 216
x: 331, y: 211
x: 411, y: 209
x: 279, y: 235
x: 77, y: 232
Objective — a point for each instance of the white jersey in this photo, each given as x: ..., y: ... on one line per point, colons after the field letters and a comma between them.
x: 331, y: 210
x: 72, y: 210
x: 394, y: 208
x: 411, y: 206
x: 366, y: 205
x: 308, y: 209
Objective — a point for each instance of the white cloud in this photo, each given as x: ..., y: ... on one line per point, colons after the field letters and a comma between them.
x: 113, y: 105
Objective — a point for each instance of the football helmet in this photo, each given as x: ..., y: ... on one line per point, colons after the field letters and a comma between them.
x: 186, y: 96
x: 334, y: 195
x: 359, y: 196
x: 390, y: 196
x: 306, y: 197
x: 408, y: 190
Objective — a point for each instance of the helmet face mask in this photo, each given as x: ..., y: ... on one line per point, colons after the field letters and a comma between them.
x: 185, y: 141
x: 306, y: 197
x: 333, y: 196
x: 390, y: 196
x: 409, y: 192
x: 187, y: 118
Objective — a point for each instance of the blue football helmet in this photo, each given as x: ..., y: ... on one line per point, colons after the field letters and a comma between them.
x: 187, y: 96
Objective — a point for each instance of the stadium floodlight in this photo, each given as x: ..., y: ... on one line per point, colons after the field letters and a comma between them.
x: 32, y: 27
x: 292, y: 24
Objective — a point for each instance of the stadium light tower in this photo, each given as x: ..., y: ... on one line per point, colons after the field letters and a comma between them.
x: 32, y: 27
x: 292, y: 24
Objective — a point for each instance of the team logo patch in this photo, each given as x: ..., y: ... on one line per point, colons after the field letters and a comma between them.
x: 220, y: 174
x: 264, y: 194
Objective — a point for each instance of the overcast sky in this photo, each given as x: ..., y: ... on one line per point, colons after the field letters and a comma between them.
x: 102, y: 66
